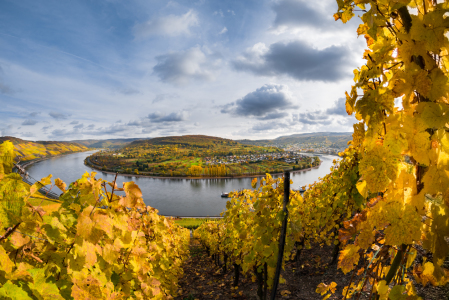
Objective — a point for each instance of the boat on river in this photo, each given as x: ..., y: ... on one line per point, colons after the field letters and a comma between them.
x: 224, y: 195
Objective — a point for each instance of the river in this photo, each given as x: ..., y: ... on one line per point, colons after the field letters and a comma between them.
x: 172, y: 197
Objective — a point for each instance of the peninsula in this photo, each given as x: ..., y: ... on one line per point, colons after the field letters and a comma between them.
x: 198, y: 156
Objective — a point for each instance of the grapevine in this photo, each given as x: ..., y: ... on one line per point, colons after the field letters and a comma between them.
x: 404, y: 151
x: 96, y: 244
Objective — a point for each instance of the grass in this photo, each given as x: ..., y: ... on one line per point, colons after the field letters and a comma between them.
x: 192, y: 223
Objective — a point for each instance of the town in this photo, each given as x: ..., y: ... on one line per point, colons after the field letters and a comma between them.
x: 290, y: 157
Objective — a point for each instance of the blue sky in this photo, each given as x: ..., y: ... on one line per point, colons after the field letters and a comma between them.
x: 112, y: 69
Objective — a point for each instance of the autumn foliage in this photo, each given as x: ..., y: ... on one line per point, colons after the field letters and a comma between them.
x: 387, y: 198
x: 100, y: 242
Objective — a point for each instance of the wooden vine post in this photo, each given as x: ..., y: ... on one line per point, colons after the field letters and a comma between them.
x: 283, y: 234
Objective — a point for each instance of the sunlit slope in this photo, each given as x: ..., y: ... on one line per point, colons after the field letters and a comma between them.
x: 28, y: 150
x: 106, y: 144
x: 186, y: 140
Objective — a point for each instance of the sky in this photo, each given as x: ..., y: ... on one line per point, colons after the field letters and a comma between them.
x: 254, y: 69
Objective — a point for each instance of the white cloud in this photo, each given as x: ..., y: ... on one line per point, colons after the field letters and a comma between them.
x: 182, y: 67
x: 170, y: 25
x: 224, y: 30
x: 218, y: 12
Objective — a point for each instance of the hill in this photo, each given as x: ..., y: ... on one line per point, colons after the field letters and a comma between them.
x: 106, y: 144
x: 200, y: 141
x: 29, y: 150
x: 197, y: 155
x: 326, y: 139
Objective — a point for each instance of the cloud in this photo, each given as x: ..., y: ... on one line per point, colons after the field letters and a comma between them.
x: 57, y: 115
x: 314, y: 118
x: 73, y: 122
x: 162, y: 97
x: 90, y: 130
x: 274, y: 115
x: 45, y: 128
x: 33, y: 114
x: 264, y: 103
x: 297, y: 14
x: 301, y: 13
x: 129, y: 91
x: 158, y: 117
x: 6, y: 131
x: 29, y: 122
x: 339, y: 108
x: 4, y: 88
x: 296, y: 59
x: 219, y: 13
x: 27, y: 134
x: 268, y: 126
x: 170, y: 25
x: 224, y: 30
x: 78, y: 126
x: 181, y: 67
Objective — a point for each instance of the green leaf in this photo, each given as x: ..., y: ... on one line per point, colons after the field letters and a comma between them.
x: 396, y: 293
x: 42, y: 288
x: 13, y: 292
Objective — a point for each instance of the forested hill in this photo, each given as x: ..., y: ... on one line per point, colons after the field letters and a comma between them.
x: 200, y: 141
x: 28, y: 150
x: 330, y: 139
x: 109, y: 143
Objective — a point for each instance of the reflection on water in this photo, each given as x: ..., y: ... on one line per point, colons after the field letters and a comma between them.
x: 174, y: 197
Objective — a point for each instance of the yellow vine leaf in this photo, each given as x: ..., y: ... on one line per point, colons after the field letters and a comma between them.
x: 5, y: 261
x: 396, y: 293
x: 359, y: 134
x: 60, y: 184
x: 378, y: 167
x: 349, y: 257
x: 133, y: 195
x: 254, y: 183
x: 382, y: 289
x: 433, y: 115
x: 361, y: 187
x: 434, y: 235
x: 436, y: 179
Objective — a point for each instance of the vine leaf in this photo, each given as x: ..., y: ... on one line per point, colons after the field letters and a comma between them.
x: 349, y: 257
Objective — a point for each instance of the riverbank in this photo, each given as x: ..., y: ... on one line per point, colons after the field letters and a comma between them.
x: 27, y: 163
x: 171, y: 197
x: 91, y: 165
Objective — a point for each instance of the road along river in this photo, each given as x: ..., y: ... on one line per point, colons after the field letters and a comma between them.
x: 172, y: 197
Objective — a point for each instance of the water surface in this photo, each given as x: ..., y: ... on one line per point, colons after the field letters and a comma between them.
x: 172, y: 197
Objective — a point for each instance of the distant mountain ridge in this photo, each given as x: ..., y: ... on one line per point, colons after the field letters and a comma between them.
x: 186, y: 140
x: 108, y: 143
x: 330, y: 139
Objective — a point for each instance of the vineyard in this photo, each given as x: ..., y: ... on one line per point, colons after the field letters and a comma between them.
x: 197, y: 155
x: 27, y: 150
x: 384, y: 204
x: 94, y: 244
x: 382, y: 210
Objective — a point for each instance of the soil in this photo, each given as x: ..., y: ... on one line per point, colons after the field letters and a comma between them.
x: 204, y: 279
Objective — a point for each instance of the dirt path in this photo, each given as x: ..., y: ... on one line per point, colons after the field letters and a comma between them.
x: 203, y: 279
